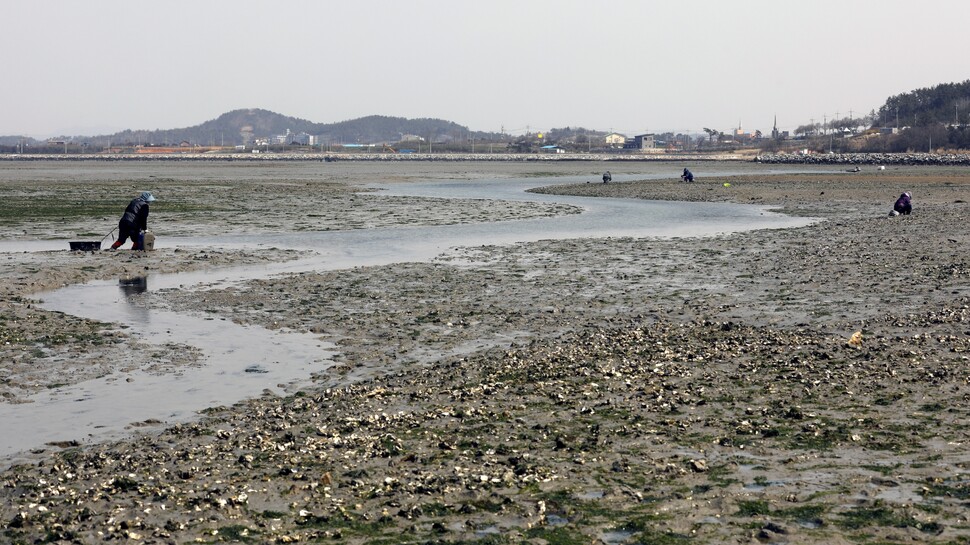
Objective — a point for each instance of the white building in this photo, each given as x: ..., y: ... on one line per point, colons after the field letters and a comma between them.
x: 615, y: 139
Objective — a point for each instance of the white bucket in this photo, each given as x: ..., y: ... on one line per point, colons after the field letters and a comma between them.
x: 148, y: 241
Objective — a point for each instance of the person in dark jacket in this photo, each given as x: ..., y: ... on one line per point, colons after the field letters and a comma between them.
x: 607, y: 177
x: 904, y: 204
x: 687, y: 176
x: 134, y: 221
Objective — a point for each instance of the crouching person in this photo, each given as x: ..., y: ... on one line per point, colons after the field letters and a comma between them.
x: 904, y: 205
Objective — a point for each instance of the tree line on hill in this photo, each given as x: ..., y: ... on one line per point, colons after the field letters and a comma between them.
x: 923, y: 120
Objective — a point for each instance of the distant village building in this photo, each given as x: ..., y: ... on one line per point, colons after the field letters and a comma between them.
x: 740, y: 135
x: 282, y: 138
x: 779, y: 135
x: 303, y: 139
x: 640, y: 142
x: 615, y: 139
x: 411, y: 138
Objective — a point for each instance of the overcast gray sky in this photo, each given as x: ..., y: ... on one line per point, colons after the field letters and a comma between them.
x: 633, y: 66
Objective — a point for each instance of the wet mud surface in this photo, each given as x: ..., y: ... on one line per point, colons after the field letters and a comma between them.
x: 805, y: 385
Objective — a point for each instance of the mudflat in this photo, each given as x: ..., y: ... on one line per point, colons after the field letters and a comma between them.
x: 804, y: 385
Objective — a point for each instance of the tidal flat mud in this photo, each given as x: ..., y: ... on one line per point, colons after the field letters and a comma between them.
x: 804, y: 385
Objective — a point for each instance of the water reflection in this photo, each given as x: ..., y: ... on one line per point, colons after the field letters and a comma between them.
x: 133, y: 286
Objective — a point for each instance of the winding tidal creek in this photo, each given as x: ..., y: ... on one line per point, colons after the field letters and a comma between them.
x: 239, y: 362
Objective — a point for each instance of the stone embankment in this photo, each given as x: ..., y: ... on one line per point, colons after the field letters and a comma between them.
x: 772, y: 158
x: 328, y: 157
x: 865, y: 158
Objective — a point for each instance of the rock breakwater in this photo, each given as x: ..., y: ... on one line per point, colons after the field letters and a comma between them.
x: 865, y: 158
x: 385, y: 157
x: 769, y: 158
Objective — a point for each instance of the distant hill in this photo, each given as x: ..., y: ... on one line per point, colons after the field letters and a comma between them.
x: 930, y: 119
x: 243, y: 126
x: 379, y: 128
x: 947, y: 103
x: 229, y: 129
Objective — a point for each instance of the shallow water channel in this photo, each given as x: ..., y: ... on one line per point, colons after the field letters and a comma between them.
x: 241, y: 361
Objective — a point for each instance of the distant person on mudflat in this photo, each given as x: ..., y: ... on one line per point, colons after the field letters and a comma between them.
x: 607, y: 177
x: 134, y: 221
x: 904, y: 204
x: 687, y: 176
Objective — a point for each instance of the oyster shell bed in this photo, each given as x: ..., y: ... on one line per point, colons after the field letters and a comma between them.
x: 611, y: 391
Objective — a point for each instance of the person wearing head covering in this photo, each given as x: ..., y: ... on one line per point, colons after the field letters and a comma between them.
x: 134, y: 221
x: 904, y: 204
x: 607, y: 177
x: 687, y: 176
